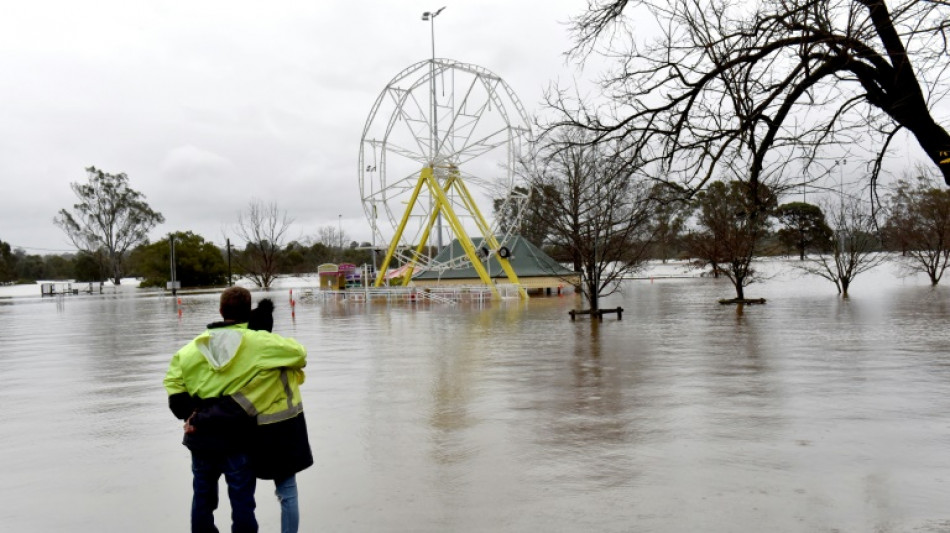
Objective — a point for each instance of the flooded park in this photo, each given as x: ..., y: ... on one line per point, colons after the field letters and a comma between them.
x: 809, y: 413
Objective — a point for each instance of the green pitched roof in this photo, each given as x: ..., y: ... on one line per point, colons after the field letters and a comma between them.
x: 526, y: 259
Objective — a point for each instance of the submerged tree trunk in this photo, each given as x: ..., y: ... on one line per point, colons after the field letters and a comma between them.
x: 740, y: 288
x: 593, y: 288
x: 115, y: 269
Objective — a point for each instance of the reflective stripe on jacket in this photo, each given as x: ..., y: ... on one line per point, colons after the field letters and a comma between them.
x: 272, y: 396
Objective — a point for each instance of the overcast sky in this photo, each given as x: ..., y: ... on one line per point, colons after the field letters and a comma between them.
x: 207, y: 105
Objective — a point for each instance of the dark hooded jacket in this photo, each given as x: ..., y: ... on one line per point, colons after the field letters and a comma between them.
x: 278, y: 449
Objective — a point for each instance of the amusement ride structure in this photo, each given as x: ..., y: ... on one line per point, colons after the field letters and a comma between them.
x: 441, y: 140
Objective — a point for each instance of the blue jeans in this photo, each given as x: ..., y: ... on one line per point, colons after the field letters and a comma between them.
x: 207, y: 470
x: 289, y: 512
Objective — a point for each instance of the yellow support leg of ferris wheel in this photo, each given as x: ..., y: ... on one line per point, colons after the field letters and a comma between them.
x: 402, y: 226
x: 488, y: 236
x: 428, y: 179
x: 443, y: 206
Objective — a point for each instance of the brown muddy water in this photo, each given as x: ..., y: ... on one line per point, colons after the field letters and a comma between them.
x: 809, y: 413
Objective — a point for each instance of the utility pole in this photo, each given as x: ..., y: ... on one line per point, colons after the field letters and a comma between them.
x: 228, y: 244
x: 174, y: 283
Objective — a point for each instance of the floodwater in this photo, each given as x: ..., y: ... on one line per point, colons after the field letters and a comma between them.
x: 809, y: 413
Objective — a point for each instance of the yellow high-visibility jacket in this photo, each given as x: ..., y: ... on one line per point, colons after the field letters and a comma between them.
x: 222, y: 361
x: 272, y: 395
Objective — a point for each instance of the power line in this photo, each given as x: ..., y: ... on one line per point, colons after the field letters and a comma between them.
x: 15, y: 247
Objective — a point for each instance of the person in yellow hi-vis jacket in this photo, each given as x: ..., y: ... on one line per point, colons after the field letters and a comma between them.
x: 201, y: 379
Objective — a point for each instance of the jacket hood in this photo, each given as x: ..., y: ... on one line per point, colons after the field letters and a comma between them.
x: 219, y: 346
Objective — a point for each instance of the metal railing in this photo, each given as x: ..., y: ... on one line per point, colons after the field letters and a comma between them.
x: 446, y: 295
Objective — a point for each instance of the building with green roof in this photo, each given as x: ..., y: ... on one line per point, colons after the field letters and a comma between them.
x: 536, y: 270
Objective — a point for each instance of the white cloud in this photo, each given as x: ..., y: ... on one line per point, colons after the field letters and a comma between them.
x: 208, y: 105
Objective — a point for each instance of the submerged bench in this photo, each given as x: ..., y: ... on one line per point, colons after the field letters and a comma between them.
x: 598, y: 313
x: 743, y: 301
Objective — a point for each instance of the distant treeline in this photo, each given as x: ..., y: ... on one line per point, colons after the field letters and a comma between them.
x: 199, y: 263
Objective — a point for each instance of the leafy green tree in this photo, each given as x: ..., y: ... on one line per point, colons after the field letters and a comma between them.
x: 357, y: 255
x: 319, y: 253
x: 59, y: 266
x: 110, y: 216
x: 30, y: 268
x: 803, y: 227
x: 732, y: 223
x: 89, y: 266
x: 198, y: 263
x: 293, y: 259
x: 8, y: 263
x: 299, y: 258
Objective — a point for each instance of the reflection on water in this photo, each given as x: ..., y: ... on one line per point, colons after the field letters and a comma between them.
x: 809, y: 413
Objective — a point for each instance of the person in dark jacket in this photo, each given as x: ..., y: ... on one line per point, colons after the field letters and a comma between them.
x: 280, y: 446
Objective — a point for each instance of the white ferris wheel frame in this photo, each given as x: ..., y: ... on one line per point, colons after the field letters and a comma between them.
x: 446, y: 152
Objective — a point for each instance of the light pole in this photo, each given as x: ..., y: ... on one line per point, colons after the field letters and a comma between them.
x: 433, y: 143
x: 430, y: 16
x: 372, y: 168
x: 841, y: 163
x: 340, y: 218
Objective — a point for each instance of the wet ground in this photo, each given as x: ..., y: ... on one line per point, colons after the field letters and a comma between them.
x: 809, y: 413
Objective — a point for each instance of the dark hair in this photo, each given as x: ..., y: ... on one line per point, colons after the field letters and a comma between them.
x: 236, y: 304
x: 262, y: 316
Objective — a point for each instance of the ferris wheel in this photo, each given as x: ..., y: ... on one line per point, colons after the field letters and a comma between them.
x: 439, y: 151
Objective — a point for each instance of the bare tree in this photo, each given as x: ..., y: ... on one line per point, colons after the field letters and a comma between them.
x: 852, y: 248
x: 263, y: 229
x: 596, y: 211
x: 110, y: 217
x: 819, y: 74
x: 333, y: 238
x: 920, y: 222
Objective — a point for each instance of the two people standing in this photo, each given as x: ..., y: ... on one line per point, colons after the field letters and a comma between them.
x: 237, y: 389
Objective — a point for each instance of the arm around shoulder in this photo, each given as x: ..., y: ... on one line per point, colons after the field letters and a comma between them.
x: 286, y: 352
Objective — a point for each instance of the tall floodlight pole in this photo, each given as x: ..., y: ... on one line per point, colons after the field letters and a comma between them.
x: 372, y: 168
x: 434, y: 142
